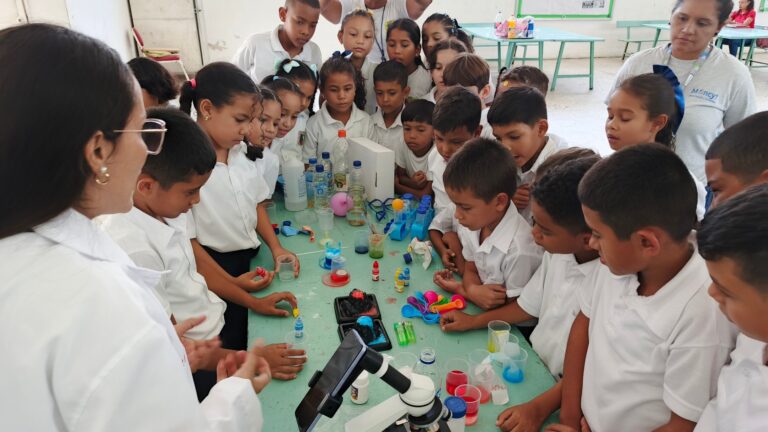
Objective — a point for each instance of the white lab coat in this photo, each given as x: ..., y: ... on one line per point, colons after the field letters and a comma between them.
x: 87, y: 346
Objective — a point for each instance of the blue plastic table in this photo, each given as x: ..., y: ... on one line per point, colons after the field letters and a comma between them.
x: 744, y: 34
x: 541, y: 35
x: 280, y: 398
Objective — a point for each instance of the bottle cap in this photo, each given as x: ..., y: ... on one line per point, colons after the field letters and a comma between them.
x: 408, y: 196
x: 342, y: 133
x: 456, y: 406
x: 313, y: 161
x: 319, y: 168
x: 326, y: 155
x: 357, y: 164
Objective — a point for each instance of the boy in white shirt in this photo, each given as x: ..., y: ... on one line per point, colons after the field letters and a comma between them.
x: 733, y: 240
x: 501, y: 255
x: 412, y: 157
x: 473, y: 73
x: 519, y: 120
x: 154, y: 235
x: 259, y: 53
x: 390, y: 82
x: 646, y: 326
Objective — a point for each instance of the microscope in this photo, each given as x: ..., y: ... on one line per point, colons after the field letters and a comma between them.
x: 415, y: 408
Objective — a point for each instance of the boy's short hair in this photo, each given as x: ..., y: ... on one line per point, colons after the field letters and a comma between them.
x: 315, y: 4
x: 526, y: 75
x: 641, y: 186
x: 154, y: 78
x: 469, y: 169
x: 562, y: 156
x: 418, y: 110
x: 736, y: 229
x: 467, y: 70
x: 455, y: 108
x: 391, y: 71
x: 187, y: 150
x: 557, y: 191
x: 743, y: 148
x: 518, y: 105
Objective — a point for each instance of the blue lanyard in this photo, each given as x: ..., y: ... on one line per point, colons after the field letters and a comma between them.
x: 696, y: 66
x: 381, y: 45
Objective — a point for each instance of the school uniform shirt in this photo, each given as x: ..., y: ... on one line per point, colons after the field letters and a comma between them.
x: 420, y: 82
x: 553, y: 145
x: 291, y: 145
x: 551, y: 296
x: 323, y: 132
x: 508, y: 256
x: 651, y: 356
x: 487, y: 130
x: 269, y: 166
x: 444, y: 220
x: 225, y: 218
x: 165, y: 247
x: 259, y: 55
x: 91, y: 348
x: 720, y: 95
x: 370, y: 90
x: 742, y: 392
x: 437, y: 164
x: 382, y: 17
x: 701, y: 197
x: 407, y: 160
x: 430, y: 96
x: 390, y: 137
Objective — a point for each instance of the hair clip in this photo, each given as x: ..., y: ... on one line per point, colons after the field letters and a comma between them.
x: 193, y: 83
x: 275, y: 77
x: 289, y: 66
x: 455, y: 29
x: 313, y: 68
x: 666, y: 72
x: 346, y: 55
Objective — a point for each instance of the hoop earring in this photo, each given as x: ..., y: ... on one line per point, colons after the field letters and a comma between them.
x: 103, y: 177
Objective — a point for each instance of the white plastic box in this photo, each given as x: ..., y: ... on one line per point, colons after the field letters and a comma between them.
x: 378, y: 166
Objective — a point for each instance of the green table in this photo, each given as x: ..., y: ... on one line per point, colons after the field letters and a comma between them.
x: 541, y: 35
x: 280, y: 398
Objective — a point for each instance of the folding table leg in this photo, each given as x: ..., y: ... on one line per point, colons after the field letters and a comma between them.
x: 557, y: 66
x: 591, y: 65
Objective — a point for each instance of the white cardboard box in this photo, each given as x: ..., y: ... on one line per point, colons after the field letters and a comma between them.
x: 378, y: 166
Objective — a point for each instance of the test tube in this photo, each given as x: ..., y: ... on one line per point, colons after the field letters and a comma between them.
x: 402, y: 340
x: 409, y: 333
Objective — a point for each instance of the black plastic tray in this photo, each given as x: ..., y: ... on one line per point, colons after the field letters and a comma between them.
x: 377, y: 324
x: 342, y: 319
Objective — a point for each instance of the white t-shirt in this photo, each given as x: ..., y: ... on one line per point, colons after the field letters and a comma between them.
x: 370, y: 90
x: 721, y: 94
x: 165, y: 247
x: 437, y: 164
x: 552, y: 296
x: 259, y: 55
x: 553, y: 145
x: 405, y: 159
x: 225, y: 218
x: 508, y: 256
x: 420, y: 82
x: 390, y: 137
x: 91, y: 348
x: 323, y: 132
x: 651, y: 356
x: 742, y: 392
x: 382, y: 17
x: 430, y: 96
x: 487, y: 130
x: 291, y: 145
x: 269, y: 167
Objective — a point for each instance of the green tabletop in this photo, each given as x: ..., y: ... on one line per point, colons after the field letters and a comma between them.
x: 280, y: 398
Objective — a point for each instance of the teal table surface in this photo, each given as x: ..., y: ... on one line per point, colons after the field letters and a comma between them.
x: 540, y: 33
x: 280, y: 398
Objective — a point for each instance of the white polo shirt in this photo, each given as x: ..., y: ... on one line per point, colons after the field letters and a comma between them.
x: 444, y: 220
x: 225, y: 218
x: 382, y: 17
x: 405, y: 159
x: 436, y: 165
x: 259, y: 55
x: 551, y: 296
x: 165, y: 247
x: 291, y: 145
x: 269, y: 166
x: 370, y: 91
x: 486, y: 129
x: 430, y: 96
x: 742, y: 392
x: 323, y: 132
x: 553, y: 145
x: 420, y: 82
x: 91, y: 347
x: 390, y: 137
x: 651, y: 356
x: 508, y: 257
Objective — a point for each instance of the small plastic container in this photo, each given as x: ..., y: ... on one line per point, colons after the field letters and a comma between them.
x: 301, y: 343
x: 498, y: 335
x: 481, y: 373
x: 285, y: 267
x: 376, y: 245
x: 361, y: 241
x: 359, y: 388
x: 513, y: 368
x: 456, y: 374
x: 458, y: 409
x: 471, y: 396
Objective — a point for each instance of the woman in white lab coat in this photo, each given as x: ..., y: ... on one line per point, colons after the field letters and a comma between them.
x: 85, y: 344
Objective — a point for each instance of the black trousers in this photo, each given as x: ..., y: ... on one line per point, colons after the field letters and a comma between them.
x: 234, y: 334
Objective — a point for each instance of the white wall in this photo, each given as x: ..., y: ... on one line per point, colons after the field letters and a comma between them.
x: 107, y: 20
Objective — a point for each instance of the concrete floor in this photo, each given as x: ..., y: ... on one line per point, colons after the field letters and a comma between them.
x: 578, y: 115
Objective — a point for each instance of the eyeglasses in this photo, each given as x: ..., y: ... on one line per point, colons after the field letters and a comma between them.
x: 152, y: 133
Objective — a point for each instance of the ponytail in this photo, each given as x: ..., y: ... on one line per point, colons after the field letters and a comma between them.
x: 218, y: 82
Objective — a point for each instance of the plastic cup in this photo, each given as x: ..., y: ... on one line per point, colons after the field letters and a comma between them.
x: 498, y: 335
x: 404, y: 362
x: 271, y: 211
x: 285, y: 267
x: 471, y: 396
x: 376, y: 245
x: 513, y: 367
x: 325, y: 222
x: 481, y: 373
x: 361, y: 241
x: 456, y: 374
x: 296, y: 343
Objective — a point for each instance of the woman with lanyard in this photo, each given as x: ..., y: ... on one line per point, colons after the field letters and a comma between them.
x: 86, y: 344
x: 383, y: 12
x: 717, y: 89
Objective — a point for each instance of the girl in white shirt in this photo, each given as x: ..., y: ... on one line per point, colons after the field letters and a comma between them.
x: 305, y: 77
x: 263, y: 130
x: 437, y: 28
x: 112, y: 360
x: 441, y: 54
x: 356, y: 35
x: 290, y: 97
x: 404, y: 46
x: 224, y: 225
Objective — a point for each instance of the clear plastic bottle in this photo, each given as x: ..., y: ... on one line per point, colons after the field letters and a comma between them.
x: 295, y: 185
x: 340, y: 161
x: 322, y: 200
x: 356, y: 215
x: 310, y: 178
x: 427, y: 366
x: 328, y: 169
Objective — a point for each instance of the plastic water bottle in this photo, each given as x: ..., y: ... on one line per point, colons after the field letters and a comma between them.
x: 340, y: 161
x: 427, y: 366
x: 529, y: 31
x: 328, y: 169
x: 322, y: 200
x: 310, y: 180
x: 499, y: 25
x: 298, y: 328
x: 295, y: 185
x: 356, y: 215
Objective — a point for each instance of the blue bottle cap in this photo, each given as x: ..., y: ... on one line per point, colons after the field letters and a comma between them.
x: 408, y: 196
x: 357, y: 164
x: 313, y: 161
x: 325, y: 155
x: 319, y: 168
x: 421, y: 210
x: 456, y: 406
x: 406, y: 271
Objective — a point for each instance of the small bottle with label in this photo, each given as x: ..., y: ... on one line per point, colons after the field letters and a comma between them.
x: 359, y: 388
